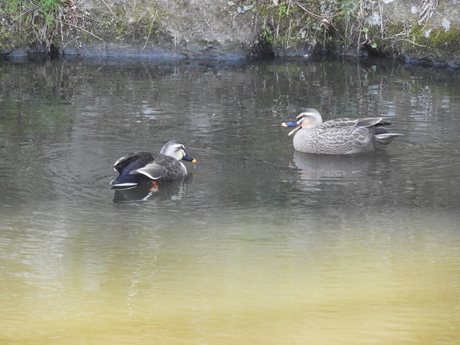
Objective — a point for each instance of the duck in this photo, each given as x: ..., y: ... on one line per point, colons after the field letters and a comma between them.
x: 338, y: 136
x: 140, y: 168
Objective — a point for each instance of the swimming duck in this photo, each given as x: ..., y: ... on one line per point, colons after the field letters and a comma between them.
x: 139, y: 168
x: 339, y: 136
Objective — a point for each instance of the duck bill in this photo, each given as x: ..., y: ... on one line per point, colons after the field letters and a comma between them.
x: 189, y: 159
x: 292, y: 124
x: 295, y: 130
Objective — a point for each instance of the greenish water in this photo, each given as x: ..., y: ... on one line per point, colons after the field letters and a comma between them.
x: 259, y: 245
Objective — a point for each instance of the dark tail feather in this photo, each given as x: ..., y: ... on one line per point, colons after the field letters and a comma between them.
x: 383, y: 138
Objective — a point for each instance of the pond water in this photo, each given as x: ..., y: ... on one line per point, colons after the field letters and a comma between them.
x: 259, y: 244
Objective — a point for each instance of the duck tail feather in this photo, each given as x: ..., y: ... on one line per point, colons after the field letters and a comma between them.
x: 384, y: 139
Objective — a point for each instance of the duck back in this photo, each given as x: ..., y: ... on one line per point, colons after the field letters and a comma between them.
x: 342, y: 139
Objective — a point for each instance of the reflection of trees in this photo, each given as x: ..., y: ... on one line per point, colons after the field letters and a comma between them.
x: 205, y: 94
x: 73, y: 117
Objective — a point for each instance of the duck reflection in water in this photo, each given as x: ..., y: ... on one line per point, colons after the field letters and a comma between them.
x: 340, y: 167
x: 163, y: 191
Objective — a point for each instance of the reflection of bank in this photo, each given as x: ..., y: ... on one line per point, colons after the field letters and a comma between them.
x: 164, y: 191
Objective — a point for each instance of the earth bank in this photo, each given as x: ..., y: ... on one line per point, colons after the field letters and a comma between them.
x: 416, y: 30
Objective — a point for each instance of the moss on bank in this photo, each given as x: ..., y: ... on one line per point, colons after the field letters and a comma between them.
x: 434, y: 44
x: 39, y: 27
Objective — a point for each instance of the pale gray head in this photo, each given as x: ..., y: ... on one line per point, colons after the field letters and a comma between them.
x: 174, y: 149
x: 307, y: 118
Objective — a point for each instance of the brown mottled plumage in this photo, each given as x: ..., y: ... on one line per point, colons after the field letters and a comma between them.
x: 339, y: 136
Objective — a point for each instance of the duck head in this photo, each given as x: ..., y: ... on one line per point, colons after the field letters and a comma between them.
x: 176, y: 150
x: 308, y: 118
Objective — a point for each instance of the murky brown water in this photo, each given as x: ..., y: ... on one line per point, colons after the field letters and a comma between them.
x: 259, y: 245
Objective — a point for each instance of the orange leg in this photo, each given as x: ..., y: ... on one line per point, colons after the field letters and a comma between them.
x: 154, y: 187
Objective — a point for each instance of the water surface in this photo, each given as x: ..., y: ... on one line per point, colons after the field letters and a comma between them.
x: 259, y: 244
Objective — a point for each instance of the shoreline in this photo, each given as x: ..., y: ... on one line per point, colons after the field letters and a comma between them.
x: 412, y: 31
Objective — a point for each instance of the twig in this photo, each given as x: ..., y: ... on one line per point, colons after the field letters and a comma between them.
x: 108, y: 8
x: 310, y: 13
x: 22, y: 14
x: 360, y: 27
x: 415, y: 44
x: 73, y: 39
x: 405, y: 40
x: 428, y: 7
x: 150, y: 30
x: 80, y: 28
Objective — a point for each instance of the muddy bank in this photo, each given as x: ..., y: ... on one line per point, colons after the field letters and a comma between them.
x: 416, y: 30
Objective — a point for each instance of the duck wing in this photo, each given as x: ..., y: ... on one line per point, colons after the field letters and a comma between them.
x: 347, y: 122
x: 371, y: 122
x: 343, y: 137
x: 336, y: 140
x: 133, y: 160
x: 163, y: 168
x: 348, y: 140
